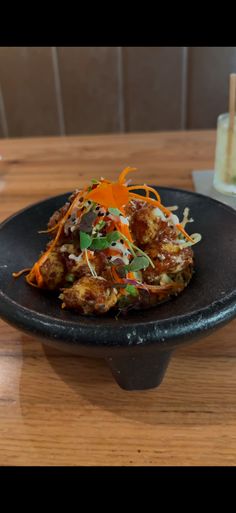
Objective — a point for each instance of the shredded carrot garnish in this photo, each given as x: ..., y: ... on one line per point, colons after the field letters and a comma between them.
x: 145, y: 188
x: 50, y: 229
x: 30, y: 282
x: 182, y: 230
x: 123, y: 174
x: 35, y: 271
x: 152, y: 201
x: 38, y: 275
x: 124, y: 229
x: 131, y: 276
x: 116, y: 275
x: 110, y: 195
x: 17, y: 275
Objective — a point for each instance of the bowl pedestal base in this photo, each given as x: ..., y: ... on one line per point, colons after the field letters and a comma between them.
x: 140, y: 372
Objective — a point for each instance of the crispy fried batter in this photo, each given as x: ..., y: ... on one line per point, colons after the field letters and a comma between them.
x: 58, y: 215
x: 81, y: 268
x: 144, y: 225
x: 53, y: 271
x: 90, y: 295
x: 167, y: 258
x: 177, y: 283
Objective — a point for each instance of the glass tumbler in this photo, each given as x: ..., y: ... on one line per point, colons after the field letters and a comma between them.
x: 225, y: 156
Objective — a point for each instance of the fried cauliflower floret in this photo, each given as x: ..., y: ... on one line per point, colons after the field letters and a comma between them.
x: 144, y: 225
x: 90, y: 295
x: 168, y: 259
x: 58, y: 215
x: 80, y: 268
x: 53, y: 271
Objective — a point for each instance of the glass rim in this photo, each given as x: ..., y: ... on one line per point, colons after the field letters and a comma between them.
x: 225, y: 115
x: 223, y: 121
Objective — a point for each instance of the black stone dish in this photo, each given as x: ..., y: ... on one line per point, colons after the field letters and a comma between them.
x: 137, y: 347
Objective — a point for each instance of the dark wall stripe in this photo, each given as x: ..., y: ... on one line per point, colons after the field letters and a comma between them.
x: 209, y: 69
x: 28, y: 88
x: 153, y: 86
x: 90, y: 89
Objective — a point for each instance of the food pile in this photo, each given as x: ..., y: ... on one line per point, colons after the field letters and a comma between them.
x: 112, y: 248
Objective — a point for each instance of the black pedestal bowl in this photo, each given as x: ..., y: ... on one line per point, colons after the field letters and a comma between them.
x: 137, y: 347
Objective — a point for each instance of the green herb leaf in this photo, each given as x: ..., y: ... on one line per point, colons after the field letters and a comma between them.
x: 137, y: 264
x: 113, y: 236
x: 94, y: 181
x: 85, y: 240
x: 100, y: 243
x: 114, y: 211
x: 70, y: 277
x: 131, y: 289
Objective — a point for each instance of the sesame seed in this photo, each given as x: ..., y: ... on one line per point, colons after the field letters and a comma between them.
x: 89, y: 202
x: 97, y: 208
x: 113, y: 243
x: 100, y: 214
x: 121, y: 240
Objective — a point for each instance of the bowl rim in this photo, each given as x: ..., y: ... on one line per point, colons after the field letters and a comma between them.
x: 165, y: 331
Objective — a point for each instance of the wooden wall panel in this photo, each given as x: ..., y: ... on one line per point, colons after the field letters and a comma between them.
x: 208, y: 79
x: 91, y: 89
x: 153, y: 86
x: 28, y: 88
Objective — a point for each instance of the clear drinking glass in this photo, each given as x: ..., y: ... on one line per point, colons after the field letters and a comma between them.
x: 225, y: 156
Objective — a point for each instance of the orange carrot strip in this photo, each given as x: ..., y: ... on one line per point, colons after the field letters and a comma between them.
x: 35, y: 272
x: 123, y: 228
x: 116, y: 275
x: 182, y: 230
x: 123, y: 174
x: 110, y: 195
x: 38, y: 275
x: 131, y: 276
x: 19, y: 273
x: 50, y: 229
x: 28, y: 279
x: 152, y: 202
x: 147, y: 189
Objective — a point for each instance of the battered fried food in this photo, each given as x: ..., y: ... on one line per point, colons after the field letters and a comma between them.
x: 112, y: 248
x: 90, y: 295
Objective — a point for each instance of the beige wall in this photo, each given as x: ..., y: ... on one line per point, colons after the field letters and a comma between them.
x: 76, y: 90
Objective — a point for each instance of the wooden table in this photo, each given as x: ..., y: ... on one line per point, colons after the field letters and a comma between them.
x: 58, y: 409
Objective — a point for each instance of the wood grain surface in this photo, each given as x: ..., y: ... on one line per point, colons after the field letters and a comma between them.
x: 61, y: 409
